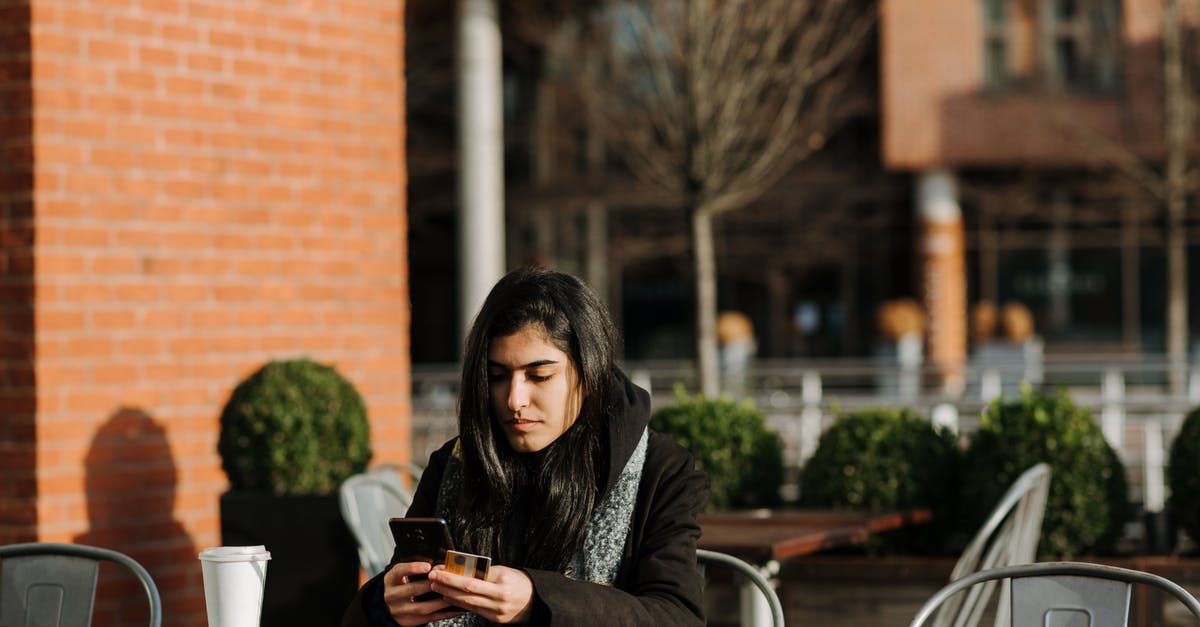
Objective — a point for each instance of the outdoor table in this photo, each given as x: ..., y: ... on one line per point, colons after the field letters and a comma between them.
x: 766, y: 537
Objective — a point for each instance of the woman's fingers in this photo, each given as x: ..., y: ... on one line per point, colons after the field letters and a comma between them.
x: 506, y: 597
x: 402, y: 584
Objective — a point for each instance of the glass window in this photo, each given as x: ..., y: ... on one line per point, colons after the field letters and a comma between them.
x: 1077, y: 45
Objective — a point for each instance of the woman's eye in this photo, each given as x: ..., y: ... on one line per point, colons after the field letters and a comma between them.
x: 538, y: 377
x: 496, y: 376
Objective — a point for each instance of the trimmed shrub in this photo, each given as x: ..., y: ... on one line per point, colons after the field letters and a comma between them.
x: 885, y: 459
x: 730, y: 442
x: 1183, y: 475
x: 293, y: 427
x: 1088, y: 502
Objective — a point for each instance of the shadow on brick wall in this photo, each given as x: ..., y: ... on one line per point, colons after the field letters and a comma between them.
x: 131, y: 480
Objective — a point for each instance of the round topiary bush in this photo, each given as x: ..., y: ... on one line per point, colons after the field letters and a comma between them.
x: 1088, y: 502
x: 885, y: 459
x: 1183, y: 475
x: 882, y: 459
x: 731, y: 443
x: 293, y: 427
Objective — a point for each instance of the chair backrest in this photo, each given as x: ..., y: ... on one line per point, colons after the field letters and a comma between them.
x: 762, y: 584
x: 52, y: 584
x: 1063, y: 593
x: 367, y: 500
x: 1008, y: 536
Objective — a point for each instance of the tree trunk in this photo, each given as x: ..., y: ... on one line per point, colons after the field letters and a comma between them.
x: 706, y: 302
x: 1177, y: 131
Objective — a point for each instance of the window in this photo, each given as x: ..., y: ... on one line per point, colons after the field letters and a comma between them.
x: 1060, y: 45
x: 1082, y: 39
x: 995, y: 44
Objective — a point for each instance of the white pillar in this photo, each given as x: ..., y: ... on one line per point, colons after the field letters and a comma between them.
x: 481, y: 155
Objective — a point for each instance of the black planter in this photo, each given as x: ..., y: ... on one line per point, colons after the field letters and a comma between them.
x: 313, y: 572
x: 1162, y: 536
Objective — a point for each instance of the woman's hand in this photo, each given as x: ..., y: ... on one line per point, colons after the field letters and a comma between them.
x: 506, y: 597
x: 399, y: 588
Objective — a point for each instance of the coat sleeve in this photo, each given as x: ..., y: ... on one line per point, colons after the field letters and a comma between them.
x: 662, y: 584
x: 367, y: 608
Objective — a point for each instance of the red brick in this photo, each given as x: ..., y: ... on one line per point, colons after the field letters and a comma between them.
x: 154, y: 55
x: 176, y: 32
x: 112, y: 157
x: 226, y: 39
x: 108, y: 49
x: 135, y: 26
x: 136, y: 80
x: 206, y: 62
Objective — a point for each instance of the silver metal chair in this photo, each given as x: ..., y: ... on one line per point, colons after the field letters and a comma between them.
x: 755, y: 580
x: 1008, y: 536
x: 367, y: 500
x: 1063, y: 593
x: 52, y: 584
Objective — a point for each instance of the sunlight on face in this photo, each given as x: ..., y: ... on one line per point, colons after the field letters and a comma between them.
x: 534, y: 389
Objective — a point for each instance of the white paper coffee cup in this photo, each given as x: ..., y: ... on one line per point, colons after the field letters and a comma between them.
x: 233, y: 584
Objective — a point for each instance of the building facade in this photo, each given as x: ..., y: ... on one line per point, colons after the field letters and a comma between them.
x: 188, y: 189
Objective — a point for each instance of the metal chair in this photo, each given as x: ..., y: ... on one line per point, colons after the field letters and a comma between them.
x: 52, y: 584
x: 766, y: 591
x: 367, y: 500
x: 1008, y: 536
x: 1063, y: 593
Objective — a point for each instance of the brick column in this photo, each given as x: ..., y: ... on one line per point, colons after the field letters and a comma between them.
x: 18, y: 487
x: 943, y: 276
x: 211, y: 185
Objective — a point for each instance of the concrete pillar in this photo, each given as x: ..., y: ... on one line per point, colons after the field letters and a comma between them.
x: 942, y: 276
x: 481, y: 155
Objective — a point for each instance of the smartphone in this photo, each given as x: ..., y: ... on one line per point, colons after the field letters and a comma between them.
x: 421, y: 540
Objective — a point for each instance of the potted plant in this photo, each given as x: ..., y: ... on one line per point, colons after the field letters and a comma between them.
x: 1088, y: 502
x: 291, y: 432
x: 886, y: 459
x: 730, y: 442
x: 1183, y: 477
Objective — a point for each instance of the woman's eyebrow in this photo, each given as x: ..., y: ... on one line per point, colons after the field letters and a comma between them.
x: 532, y: 364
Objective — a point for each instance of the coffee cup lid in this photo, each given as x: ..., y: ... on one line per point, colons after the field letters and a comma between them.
x: 256, y: 553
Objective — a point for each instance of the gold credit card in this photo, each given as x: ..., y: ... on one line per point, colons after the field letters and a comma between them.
x: 468, y: 565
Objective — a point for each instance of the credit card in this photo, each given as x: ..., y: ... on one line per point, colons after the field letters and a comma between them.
x: 468, y: 565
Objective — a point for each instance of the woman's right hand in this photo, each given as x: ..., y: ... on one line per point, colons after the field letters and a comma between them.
x: 399, y: 590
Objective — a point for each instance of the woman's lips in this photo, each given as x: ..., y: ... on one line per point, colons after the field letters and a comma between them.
x: 521, y: 425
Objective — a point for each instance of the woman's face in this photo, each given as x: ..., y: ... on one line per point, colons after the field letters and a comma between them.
x: 534, y: 389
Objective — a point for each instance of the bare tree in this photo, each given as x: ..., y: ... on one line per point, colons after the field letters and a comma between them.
x: 712, y: 101
x: 1171, y: 185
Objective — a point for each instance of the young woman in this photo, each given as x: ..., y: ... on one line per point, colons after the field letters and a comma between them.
x: 589, y: 517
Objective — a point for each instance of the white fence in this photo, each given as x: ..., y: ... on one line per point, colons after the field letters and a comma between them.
x: 1129, y: 397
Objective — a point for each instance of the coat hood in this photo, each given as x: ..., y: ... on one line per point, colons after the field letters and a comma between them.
x: 628, y: 418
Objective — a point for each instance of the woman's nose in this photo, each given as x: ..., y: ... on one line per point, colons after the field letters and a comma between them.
x: 518, y: 395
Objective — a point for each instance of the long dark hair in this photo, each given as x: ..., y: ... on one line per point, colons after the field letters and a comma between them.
x: 561, y: 481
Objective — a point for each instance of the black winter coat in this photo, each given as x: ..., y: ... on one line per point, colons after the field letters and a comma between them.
x: 658, y: 583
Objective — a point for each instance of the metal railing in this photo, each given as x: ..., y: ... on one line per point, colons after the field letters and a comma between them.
x: 1129, y: 396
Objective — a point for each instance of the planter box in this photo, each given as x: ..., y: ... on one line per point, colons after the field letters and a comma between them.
x: 313, y: 572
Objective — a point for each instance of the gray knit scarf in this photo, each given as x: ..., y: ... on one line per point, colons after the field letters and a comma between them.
x: 598, y: 559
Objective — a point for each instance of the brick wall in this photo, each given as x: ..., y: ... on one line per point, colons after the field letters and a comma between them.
x: 17, y: 486
x: 214, y: 184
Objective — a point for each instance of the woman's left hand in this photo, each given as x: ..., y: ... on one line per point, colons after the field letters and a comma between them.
x: 506, y: 597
